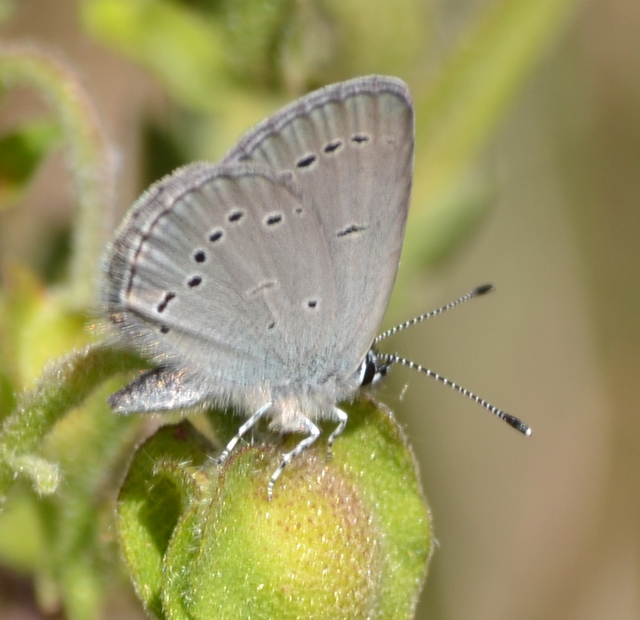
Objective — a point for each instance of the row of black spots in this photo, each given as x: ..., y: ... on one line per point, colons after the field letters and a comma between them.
x: 308, y: 160
x: 335, y: 145
x: 192, y: 282
x: 233, y: 217
x: 216, y: 235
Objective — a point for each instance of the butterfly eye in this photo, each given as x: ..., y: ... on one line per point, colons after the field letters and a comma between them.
x: 368, y: 371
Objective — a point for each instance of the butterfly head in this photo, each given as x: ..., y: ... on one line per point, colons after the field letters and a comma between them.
x: 372, y: 368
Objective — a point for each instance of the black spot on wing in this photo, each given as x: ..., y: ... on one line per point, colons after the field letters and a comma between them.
x: 351, y: 229
x: 332, y: 147
x: 306, y: 161
x: 273, y: 219
x: 163, y: 304
x: 360, y: 138
x: 235, y: 216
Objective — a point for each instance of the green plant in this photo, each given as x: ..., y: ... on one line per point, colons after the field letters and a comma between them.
x: 226, y: 64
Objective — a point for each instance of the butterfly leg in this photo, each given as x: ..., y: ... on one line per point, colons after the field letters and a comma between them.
x: 342, y: 422
x: 314, y: 433
x: 247, y: 426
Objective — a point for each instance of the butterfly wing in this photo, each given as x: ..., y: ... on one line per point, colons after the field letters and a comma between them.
x: 349, y: 148
x: 268, y: 273
x: 220, y: 275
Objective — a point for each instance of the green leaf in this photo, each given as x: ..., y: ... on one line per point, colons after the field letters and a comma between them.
x: 21, y: 153
x: 163, y: 485
x: 64, y: 385
x: 90, y: 445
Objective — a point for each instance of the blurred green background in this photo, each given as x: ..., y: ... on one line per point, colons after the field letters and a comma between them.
x: 533, y: 184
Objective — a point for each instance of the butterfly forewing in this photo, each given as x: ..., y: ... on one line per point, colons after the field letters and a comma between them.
x: 349, y: 147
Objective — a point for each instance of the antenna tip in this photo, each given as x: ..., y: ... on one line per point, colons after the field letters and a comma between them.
x: 485, y: 288
x: 518, y: 424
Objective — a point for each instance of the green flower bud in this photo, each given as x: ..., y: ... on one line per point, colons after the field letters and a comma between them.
x: 345, y: 539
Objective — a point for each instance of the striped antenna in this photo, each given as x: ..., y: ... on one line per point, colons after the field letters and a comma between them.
x: 476, y: 292
x: 385, y: 360
x: 511, y: 420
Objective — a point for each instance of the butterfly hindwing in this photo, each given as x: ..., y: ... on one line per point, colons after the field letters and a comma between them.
x: 228, y: 277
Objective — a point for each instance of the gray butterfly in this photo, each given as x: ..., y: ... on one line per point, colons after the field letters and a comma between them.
x: 260, y: 282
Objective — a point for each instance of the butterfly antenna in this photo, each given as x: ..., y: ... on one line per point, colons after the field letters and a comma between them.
x: 519, y: 425
x: 476, y: 292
